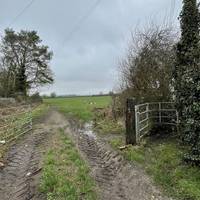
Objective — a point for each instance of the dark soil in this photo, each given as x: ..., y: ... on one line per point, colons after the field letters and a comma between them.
x: 22, y: 167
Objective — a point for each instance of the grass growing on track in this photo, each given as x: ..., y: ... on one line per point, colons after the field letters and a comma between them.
x: 80, y: 107
x: 39, y: 111
x: 65, y: 174
x: 162, y: 159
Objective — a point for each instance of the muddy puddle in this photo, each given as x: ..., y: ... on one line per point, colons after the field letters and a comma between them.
x: 116, y: 179
x: 87, y: 129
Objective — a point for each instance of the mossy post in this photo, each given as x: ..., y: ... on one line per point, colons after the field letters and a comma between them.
x: 130, y: 121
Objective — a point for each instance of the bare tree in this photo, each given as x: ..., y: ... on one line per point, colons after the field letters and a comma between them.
x: 146, y: 69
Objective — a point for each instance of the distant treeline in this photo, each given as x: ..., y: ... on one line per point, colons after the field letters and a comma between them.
x: 72, y: 96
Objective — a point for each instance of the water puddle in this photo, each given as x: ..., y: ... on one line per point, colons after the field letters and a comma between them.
x: 87, y: 130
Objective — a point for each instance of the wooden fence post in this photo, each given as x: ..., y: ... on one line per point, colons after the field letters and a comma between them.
x: 130, y: 122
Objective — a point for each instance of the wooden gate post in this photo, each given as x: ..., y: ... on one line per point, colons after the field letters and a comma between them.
x: 130, y: 122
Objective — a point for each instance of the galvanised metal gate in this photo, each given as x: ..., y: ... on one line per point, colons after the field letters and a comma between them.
x: 150, y: 114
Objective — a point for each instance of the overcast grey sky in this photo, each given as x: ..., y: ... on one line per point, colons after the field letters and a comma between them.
x: 86, y: 52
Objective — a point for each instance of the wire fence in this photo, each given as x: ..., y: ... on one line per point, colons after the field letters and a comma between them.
x: 14, y: 122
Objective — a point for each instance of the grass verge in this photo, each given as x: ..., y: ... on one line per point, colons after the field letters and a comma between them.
x: 162, y: 159
x: 65, y: 174
x: 108, y: 126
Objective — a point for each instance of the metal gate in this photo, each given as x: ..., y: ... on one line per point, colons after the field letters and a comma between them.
x: 149, y: 114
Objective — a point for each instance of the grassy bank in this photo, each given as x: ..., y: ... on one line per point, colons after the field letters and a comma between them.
x: 65, y: 174
x: 80, y: 107
x: 162, y: 159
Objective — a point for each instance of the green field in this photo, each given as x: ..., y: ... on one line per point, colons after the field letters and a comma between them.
x: 80, y: 107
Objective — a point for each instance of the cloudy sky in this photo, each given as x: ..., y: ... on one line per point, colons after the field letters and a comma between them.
x: 88, y: 37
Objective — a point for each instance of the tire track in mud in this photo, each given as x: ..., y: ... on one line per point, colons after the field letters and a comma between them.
x: 22, y: 167
x: 116, y: 178
x: 20, y: 178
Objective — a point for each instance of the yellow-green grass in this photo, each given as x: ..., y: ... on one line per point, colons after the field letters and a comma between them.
x: 39, y: 111
x: 163, y: 161
x: 65, y: 175
x: 108, y: 126
x: 80, y: 107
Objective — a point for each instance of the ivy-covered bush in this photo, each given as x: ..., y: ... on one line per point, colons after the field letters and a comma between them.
x: 187, y: 79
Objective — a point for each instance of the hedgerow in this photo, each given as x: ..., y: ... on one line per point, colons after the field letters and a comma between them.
x: 187, y: 79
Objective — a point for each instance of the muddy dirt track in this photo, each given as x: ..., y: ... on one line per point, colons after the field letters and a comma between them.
x: 116, y: 179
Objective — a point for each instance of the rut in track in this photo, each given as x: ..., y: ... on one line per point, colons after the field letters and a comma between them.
x: 19, y: 179
x: 116, y: 178
x: 23, y: 162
